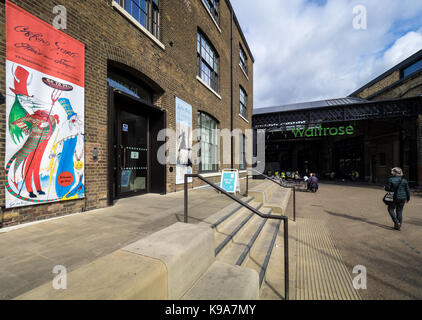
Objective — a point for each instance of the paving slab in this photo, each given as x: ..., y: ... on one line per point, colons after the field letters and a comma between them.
x: 29, y: 254
x: 362, y: 231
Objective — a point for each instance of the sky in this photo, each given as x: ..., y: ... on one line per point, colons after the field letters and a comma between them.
x: 307, y: 50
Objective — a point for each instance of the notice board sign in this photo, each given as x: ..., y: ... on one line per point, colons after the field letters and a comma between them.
x: 230, y: 181
x: 184, y: 140
x: 45, y: 92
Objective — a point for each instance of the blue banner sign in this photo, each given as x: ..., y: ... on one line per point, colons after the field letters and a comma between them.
x: 229, y: 181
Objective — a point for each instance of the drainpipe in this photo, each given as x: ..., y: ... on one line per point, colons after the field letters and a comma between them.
x: 231, y: 86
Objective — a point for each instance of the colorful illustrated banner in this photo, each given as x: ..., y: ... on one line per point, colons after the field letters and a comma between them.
x: 44, y: 112
x: 184, y: 140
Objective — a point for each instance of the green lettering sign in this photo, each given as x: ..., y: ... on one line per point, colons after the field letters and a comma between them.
x: 323, y: 132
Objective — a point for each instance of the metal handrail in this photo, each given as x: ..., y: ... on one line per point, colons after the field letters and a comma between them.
x: 276, y: 182
x: 257, y: 212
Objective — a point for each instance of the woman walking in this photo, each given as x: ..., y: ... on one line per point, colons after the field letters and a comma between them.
x: 400, y: 187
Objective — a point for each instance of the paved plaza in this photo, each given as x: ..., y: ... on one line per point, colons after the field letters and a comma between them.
x: 350, y: 221
x: 362, y: 231
x: 29, y: 254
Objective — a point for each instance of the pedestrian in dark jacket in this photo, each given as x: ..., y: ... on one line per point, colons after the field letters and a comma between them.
x: 400, y: 187
x: 313, y: 183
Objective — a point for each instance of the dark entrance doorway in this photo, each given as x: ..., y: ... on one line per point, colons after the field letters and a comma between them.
x: 134, y: 168
x: 349, y: 157
x: 132, y: 147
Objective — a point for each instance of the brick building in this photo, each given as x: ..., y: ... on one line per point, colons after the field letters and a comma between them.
x: 400, y: 82
x: 141, y: 59
x: 376, y: 128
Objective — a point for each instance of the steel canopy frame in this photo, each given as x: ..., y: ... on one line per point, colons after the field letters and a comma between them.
x: 409, y: 107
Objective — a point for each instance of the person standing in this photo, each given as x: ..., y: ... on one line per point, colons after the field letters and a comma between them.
x: 399, y: 185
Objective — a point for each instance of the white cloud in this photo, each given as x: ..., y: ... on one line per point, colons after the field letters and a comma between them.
x: 403, y: 48
x: 305, y: 51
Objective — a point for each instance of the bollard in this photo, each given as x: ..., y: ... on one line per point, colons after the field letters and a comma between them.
x: 286, y: 259
x: 186, y: 199
x: 294, y: 204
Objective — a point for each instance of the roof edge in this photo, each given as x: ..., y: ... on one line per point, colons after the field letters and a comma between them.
x: 242, y: 35
x: 367, y: 102
x: 410, y: 60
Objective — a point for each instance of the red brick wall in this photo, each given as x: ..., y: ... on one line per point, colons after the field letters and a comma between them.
x: 111, y: 37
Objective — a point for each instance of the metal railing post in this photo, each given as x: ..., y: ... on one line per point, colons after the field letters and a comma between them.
x: 267, y: 216
x: 286, y: 259
x: 294, y: 204
x: 247, y: 183
x: 186, y: 199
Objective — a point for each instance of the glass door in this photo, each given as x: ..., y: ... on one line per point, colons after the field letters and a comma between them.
x: 132, y: 153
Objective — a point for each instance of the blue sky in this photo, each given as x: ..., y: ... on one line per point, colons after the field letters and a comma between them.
x: 308, y: 50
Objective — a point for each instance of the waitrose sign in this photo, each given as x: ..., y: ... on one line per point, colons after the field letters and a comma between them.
x: 323, y: 132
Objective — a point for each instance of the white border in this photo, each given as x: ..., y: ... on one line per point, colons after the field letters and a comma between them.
x: 243, y: 118
x: 211, y: 174
x: 244, y: 72
x: 209, y: 12
x: 137, y: 24
x: 208, y: 87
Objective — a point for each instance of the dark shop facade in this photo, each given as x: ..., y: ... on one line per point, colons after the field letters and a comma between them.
x: 376, y: 128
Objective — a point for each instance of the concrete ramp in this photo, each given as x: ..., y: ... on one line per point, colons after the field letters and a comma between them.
x: 118, y: 276
x: 225, y: 282
x: 225, y: 257
x: 186, y: 250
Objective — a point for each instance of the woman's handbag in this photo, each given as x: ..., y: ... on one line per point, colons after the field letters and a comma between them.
x: 390, y: 197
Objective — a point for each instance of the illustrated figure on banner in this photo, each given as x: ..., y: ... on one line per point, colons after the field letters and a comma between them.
x: 30, y: 118
x: 184, y: 153
x: 38, y: 125
x: 69, y: 159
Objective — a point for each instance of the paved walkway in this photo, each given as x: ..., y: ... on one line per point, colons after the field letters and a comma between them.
x: 28, y: 255
x: 338, y: 228
x: 320, y: 271
x: 353, y: 224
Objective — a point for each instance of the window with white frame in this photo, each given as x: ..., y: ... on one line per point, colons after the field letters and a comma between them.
x: 146, y: 12
x: 208, y: 140
x: 208, y: 62
x: 213, y: 6
x: 243, y: 110
x: 243, y: 59
x: 242, y: 153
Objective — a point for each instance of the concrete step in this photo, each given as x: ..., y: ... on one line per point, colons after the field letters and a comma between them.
x: 164, y: 265
x: 238, y: 252
x: 226, y: 233
x: 263, y: 191
x: 223, y: 281
x: 117, y: 276
x: 279, y: 200
x: 186, y: 250
x: 272, y: 287
x: 221, y: 216
x: 261, y: 251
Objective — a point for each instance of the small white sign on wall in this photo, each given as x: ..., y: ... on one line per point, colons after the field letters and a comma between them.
x: 134, y: 155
